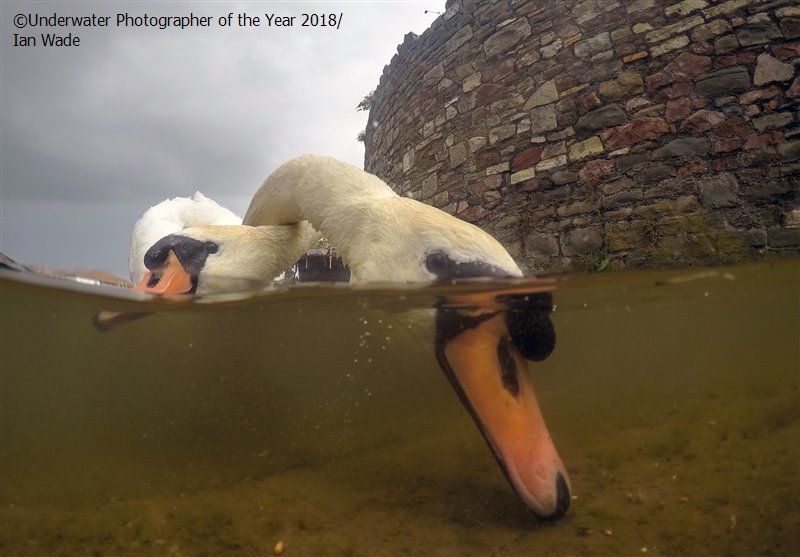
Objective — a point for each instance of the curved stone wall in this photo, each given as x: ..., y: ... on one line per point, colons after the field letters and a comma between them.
x: 602, y: 132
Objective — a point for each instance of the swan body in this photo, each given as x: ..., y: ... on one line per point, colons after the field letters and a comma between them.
x: 169, y: 217
x: 387, y: 238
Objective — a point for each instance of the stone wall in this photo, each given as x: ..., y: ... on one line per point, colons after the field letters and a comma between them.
x: 602, y: 132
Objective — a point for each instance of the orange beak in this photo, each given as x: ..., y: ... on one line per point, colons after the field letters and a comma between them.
x: 491, y: 377
x: 170, y: 278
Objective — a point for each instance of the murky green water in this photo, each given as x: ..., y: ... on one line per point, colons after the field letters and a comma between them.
x: 318, y: 417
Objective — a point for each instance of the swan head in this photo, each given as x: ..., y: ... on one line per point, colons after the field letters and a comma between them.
x: 220, y: 258
x: 169, y: 217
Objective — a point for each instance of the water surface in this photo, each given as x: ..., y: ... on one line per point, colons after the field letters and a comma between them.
x: 318, y: 416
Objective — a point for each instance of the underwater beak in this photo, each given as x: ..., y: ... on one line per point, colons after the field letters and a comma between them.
x: 169, y: 278
x: 489, y: 374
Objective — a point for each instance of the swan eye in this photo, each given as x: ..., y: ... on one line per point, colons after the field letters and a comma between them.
x: 211, y: 247
x: 436, y: 262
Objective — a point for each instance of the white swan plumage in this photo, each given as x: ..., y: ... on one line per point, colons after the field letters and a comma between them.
x: 168, y: 217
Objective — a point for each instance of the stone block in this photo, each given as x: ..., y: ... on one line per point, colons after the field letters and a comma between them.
x: 640, y: 6
x: 758, y: 30
x: 497, y: 168
x: 458, y: 154
x: 794, y: 90
x: 669, y: 45
x: 789, y: 151
x: 476, y: 143
x: 543, y: 118
x: 522, y: 175
x: 593, y: 45
x: 702, y: 121
x: 725, y: 44
x: 581, y: 241
x: 710, y: 30
x: 459, y: 38
x: 408, y: 160
x: 687, y: 66
x: 552, y: 49
x: 489, y: 93
x: 545, y: 94
x: 622, y: 199
x: 507, y: 38
x: 678, y: 109
x: 562, y: 177
x: 625, y: 85
x: 603, y: 118
x: 593, y: 172
x: 725, y: 8
x: 653, y: 173
x: 768, y: 69
x: 433, y: 75
x: 635, y: 56
x: 719, y: 190
x: 773, y: 121
x: 783, y: 238
x: 555, y: 162
x: 620, y: 34
x: 502, y: 133
x: 471, y: 82
x: 577, y: 208
x: 790, y: 27
x: 635, y: 131
x: 723, y: 82
x: 625, y: 235
x: 683, y: 147
x: 685, y: 8
x: 584, y: 149
x: 524, y: 159
x: 429, y: 185
x: 663, y: 33
x: 541, y: 245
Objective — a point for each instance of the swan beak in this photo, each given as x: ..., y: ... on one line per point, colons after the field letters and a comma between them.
x: 490, y: 375
x: 169, y: 278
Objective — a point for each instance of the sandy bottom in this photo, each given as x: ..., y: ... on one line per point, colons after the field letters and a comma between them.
x: 702, y: 477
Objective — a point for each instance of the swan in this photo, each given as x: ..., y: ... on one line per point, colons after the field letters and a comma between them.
x: 387, y: 238
x: 168, y: 217
x: 384, y: 237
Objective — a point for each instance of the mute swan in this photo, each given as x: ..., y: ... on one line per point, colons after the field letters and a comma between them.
x: 384, y: 237
x: 168, y: 217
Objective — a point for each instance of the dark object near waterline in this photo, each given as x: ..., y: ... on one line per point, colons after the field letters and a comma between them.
x: 321, y: 266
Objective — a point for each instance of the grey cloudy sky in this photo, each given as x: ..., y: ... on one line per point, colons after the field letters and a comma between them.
x: 93, y: 135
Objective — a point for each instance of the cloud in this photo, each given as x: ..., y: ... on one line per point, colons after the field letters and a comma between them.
x: 133, y: 116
